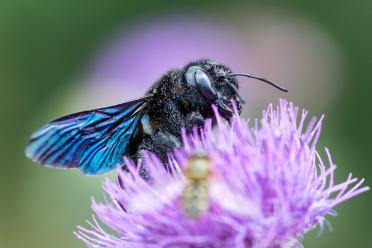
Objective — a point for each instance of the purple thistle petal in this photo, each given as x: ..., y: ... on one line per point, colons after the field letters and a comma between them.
x: 269, y: 186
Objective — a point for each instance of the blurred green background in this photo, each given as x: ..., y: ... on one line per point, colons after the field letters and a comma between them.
x: 46, y: 53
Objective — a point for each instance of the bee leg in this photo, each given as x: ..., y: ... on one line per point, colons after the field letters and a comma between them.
x: 160, y: 144
x: 194, y: 119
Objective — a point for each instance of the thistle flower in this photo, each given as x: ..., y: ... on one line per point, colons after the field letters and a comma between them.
x: 268, y: 186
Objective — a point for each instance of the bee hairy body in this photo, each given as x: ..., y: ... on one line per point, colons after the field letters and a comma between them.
x: 96, y: 140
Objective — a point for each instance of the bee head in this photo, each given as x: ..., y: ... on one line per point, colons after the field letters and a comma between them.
x: 198, y: 166
x: 218, y: 84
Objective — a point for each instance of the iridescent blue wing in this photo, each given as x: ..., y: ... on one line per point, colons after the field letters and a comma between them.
x: 94, y: 140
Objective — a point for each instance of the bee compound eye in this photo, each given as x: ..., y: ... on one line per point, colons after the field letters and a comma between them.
x: 204, y: 84
x: 197, y: 77
x: 190, y: 75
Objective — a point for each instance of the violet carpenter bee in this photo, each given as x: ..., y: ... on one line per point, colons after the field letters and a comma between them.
x: 95, y: 141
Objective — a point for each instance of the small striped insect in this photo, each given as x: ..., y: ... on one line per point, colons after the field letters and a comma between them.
x: 196, y: 192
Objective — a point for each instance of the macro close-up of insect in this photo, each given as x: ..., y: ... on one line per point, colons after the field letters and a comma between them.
x: 182, y: 124
x: 95, y: 141
x: 195, y: 194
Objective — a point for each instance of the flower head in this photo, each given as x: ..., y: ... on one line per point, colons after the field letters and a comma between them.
x: 262, y: 186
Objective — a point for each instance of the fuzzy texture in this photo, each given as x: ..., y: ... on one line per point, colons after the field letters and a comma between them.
x: 269, y: 186
x: 175, y: 104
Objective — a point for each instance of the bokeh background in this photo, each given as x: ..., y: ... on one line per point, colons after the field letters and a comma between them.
x: 58, y: 57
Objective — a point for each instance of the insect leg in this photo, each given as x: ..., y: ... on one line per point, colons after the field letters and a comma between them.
x: 160, y: 144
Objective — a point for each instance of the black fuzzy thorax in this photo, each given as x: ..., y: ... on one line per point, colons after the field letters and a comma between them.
x: 172, y: 100
x: 175, y: 105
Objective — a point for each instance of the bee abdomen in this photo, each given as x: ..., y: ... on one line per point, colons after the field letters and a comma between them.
x: 195, y: 198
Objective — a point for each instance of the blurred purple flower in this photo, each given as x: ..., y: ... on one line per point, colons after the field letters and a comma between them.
x: 269, y: 186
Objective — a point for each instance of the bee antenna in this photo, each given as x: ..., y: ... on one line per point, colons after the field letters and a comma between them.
x: 261, y: 79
